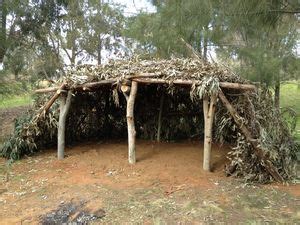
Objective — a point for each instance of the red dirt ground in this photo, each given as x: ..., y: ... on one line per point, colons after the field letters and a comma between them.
x: 99, y: 175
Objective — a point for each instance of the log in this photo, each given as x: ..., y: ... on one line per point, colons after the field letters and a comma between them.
x: 237, y: 86
x: 257, y: 150
x: 130, y: 122
x: 46, y: 90
x: 64, y: 107
x: 90, y: 86
x: 93, y: 85
x: 161, y: 106
x: 209, y: 112
x: 189, y: 82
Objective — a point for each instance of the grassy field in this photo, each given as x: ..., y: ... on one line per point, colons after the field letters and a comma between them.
x: 290, y: 97
x: 14, y: 101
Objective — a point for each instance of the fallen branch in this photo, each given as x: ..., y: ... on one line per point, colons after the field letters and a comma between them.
x: 257, y: 150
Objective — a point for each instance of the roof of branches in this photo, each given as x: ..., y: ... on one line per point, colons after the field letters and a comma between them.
x: 172, y: 69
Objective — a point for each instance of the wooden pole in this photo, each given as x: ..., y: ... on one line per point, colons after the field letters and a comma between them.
x: 161, y: 106
x: 209, y: 112
x: 257, y: 150
x: 143, y: 80
x: 130, y: 122
x: 65, y: 103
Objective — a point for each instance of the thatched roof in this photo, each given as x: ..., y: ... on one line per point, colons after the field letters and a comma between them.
x: 169, y: 70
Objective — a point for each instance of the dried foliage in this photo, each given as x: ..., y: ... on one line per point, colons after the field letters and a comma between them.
x: 101, y: 114
x: 176, y: 68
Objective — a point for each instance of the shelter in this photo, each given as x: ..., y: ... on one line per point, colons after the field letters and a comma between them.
x: 154, y: 88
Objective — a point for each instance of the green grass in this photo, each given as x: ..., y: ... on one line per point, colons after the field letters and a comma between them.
x: 14, y: 101
x: 290, y: 97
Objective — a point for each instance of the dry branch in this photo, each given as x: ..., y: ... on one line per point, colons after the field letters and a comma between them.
x: 257, y: 150
x: 47, y: 106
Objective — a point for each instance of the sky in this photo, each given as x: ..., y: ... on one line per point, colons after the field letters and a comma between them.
x: 134, y: 6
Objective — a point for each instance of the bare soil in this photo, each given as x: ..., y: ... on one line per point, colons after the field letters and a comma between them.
x: 95, y: 184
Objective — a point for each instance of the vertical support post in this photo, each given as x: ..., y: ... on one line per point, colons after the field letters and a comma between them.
x: 161, y: 106
x: 208, y: 111
x: 130, y: 121
x: 64, y: 107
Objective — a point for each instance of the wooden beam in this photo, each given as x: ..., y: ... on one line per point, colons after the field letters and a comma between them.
x: 209, y: 112
x: 46, y: 90
x: 64, y: 107
x: 143, y: 75
x: 257, y: 150
x: 189, y: 82
x: 91, y: 86
x: 237, y: 86
x: 47, y: 106
x: 130, y: 122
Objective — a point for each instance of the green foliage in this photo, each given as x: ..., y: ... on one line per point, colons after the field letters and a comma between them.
x: 15, y: 61
x: 290, y: 98
x: 12, y: 88
x: 160, y: 33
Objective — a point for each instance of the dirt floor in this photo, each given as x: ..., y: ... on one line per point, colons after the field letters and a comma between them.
x: 95, y: 184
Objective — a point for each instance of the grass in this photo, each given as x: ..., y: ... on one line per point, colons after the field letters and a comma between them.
x: 15, y: 100
x: 290, y: 97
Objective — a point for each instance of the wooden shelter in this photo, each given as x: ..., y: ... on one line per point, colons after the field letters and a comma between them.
x: 210, y: 81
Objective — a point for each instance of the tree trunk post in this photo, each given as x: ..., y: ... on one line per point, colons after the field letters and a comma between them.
x: 161, y: 106
x: 208, y: 111
x: 64, y: 107
x: 130, y: 121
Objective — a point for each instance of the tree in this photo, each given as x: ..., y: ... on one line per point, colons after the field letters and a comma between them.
x: 15, y: 61
x: 3, y: 13
x: 262, y: 36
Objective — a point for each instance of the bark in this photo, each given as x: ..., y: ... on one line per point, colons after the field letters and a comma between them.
x: 209, y: 112
x: 65, y: 103
x: 257, y: 150
x: 161, y: 106
x: 130, y: 122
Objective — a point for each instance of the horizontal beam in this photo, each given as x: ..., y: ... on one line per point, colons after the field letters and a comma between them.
x: 90, y: 86
x: 189, y: 82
